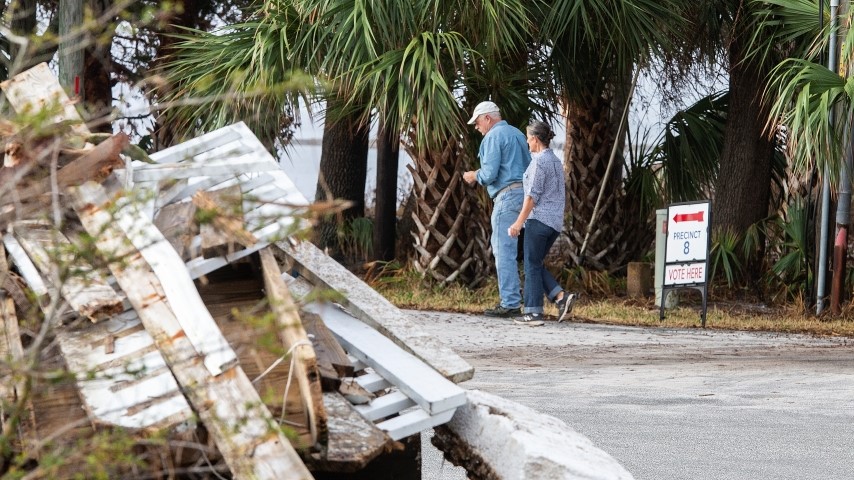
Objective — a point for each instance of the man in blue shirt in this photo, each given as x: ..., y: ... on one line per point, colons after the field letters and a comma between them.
x: 504, y: 156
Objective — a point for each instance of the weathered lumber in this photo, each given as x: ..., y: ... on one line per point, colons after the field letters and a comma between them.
x: 123, y: 379
x: 37, y: 88
x: 95, y: 165
x: 332, y: 361
x: 231, y: 409
x: 227, y: 166
x: 372, y: 308
x: 177, y: 223
x: 224, y: 209
x: 353, y: 441
x: 425, y: 386
x: 295, y: 340
x: 25, y: 265
x: 83, y: 287
x: 18, y: 414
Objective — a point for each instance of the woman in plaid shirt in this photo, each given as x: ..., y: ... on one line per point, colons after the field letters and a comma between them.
x: 542, y: 218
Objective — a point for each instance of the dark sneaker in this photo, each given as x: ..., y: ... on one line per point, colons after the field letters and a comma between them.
x: 531, y: 319
x: 564, y: 306
x: 499, y: 311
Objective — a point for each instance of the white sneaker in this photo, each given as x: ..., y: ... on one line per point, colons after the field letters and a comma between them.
x: 564, y: 306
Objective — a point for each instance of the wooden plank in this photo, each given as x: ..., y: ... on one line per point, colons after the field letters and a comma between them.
x: 197, y: 146
x: 177, y: 223
x: 384, y: 406
x: 332, y: 361
x: 194, y: 320
x: 373, y: 309
x: 17, y: 415
x: 413, y: 422
x: 32, y: 197
x: 11, y: 351
x: 25, y: 266
x: 228, y: 404
x: 221, y: 167
x: 84, y: 288
x: 425, y: 386
x: 225, y: 231
x: 353, y: 441
x: 36, y: 88
x: 295, y: 340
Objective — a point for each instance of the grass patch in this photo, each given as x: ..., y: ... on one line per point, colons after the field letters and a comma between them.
x: 407, y: 290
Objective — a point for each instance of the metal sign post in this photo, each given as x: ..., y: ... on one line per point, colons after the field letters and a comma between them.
x: 686, y: 257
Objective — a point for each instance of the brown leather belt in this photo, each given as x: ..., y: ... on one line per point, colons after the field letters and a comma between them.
x: 508, y: 187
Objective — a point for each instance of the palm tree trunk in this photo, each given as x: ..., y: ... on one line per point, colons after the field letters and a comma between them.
x: 619, y: 234
x: 385, y: 214
x: 451, y: 234
x: 343, y: 168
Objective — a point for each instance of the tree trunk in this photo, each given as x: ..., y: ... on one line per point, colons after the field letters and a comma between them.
x: 97, y: 74
x: 343, y: 168
x: 452, y: 230
x: 743, y: 189
x: 385, y: 213
x: 71, y: 47
x: 619, y: 233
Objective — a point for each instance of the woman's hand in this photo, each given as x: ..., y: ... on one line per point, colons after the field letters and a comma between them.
x: 515, y: 229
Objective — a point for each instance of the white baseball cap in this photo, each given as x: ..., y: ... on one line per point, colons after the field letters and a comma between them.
x: 481, y: 108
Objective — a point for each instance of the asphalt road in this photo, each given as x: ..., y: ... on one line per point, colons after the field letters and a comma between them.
x: 671, y: 404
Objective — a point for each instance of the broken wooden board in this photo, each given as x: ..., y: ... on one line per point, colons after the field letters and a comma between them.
x: 94, y: 164
x: 225, y: 231
x: 193, y: 319
x: 225, y: 166
x: 295, y: 341
x: 177, y: 223
x: 353, y: 441
x: 226, y: 402
x: 332, y: 361
x: 84, y: 288
x: 37, y: 88
x: 24, y: 265
x: 123, y: 379
x: 372, y: 308
x: 430, y: 390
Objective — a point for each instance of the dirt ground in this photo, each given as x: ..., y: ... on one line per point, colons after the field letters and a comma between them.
x: 671, y: 403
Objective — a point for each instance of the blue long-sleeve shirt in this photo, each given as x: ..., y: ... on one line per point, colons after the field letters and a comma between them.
x: 504, y: 156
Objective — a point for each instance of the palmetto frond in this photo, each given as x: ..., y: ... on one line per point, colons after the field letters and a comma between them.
x: 239, y: 72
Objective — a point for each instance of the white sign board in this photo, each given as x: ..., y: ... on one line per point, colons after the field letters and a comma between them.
x: 687, y: 243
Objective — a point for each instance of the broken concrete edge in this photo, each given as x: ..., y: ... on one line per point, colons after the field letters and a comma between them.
x: 495, y: 438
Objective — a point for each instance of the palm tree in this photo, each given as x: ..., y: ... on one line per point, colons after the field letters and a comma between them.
x: 595, y: 46
x: 423, y: 69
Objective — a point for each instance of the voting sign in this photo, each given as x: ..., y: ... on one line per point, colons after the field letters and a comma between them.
x: 687, y: 245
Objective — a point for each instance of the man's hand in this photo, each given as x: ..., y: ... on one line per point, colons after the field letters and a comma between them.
x: 470, y: 177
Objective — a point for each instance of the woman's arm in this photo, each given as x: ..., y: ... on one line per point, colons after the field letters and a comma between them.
x: 527, y: 205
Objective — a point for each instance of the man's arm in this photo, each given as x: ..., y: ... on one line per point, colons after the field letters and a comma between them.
x: 490, y: 160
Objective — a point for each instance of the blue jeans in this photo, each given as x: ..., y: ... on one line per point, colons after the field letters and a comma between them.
x: 538, y: 240
x: 505, y: 210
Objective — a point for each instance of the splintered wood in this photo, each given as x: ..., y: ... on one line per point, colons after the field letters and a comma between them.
x: 83, y: 287
x: 225, y: 228
x: 37, y: 89
x: 227, y: 403
x: 295, y: 341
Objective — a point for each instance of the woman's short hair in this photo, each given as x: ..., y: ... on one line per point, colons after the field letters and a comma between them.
x: 541, y: 130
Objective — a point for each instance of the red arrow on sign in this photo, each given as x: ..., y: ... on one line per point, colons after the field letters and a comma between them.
x: 688, y: 217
